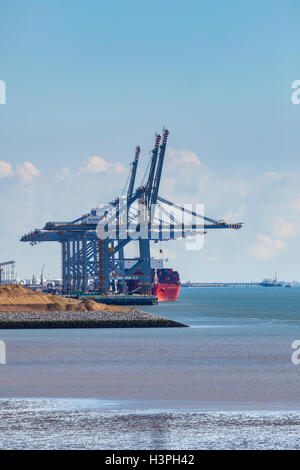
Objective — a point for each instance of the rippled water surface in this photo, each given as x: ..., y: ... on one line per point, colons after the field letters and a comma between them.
x: 225, y: 382
x: 85, y: 424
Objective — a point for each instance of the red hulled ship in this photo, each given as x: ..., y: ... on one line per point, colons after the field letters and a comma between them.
x: 165, y: 282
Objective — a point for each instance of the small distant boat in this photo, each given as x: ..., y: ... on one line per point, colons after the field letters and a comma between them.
x: 288, y: 284
x: 271, y: 282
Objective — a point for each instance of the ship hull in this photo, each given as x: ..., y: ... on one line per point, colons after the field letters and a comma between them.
x: 166, y: 292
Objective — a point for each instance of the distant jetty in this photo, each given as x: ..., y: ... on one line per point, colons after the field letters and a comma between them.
x: 220, y: 284
x: 264, y: 283
x: 21, y: 307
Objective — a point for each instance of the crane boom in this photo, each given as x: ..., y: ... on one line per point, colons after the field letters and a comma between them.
x: 92, y: 245
x: 133, y: 171
x: 153, y: 166
x: 159, y: 167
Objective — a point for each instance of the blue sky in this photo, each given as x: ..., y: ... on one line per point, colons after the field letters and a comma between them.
x: 95, y: 78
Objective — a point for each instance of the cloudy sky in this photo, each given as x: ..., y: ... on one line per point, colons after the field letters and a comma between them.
x: 87, y: 81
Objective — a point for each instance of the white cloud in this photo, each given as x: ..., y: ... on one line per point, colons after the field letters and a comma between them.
x: 210, y: 259
x: 27, y: 172
x: 280, y: 177
x: 296, y: 205
x: 98, y: 164
x: 64, y: 173
x: 118, y: 167
x: 183, y: 157
x: 5, y: 169
x: 169, y: 184
x: 266, y: 247
x: 211, y: 255
x: 286, y: 228
x: 237, y: 185
x: 235, y: 216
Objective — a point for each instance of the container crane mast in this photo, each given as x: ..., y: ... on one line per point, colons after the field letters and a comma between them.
x: 85, y: 255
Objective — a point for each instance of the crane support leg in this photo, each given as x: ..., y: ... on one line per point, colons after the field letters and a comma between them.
x: 103, y: 266
x: 144, y: 246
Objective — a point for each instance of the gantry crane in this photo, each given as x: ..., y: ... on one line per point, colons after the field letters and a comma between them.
x: 92, y: 246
